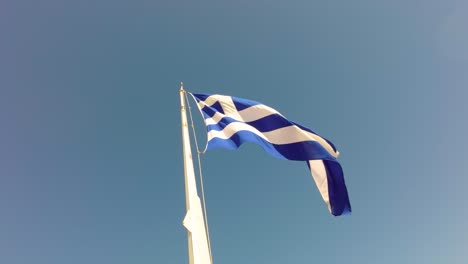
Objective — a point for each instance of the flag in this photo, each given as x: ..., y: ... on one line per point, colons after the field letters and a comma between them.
x: 232, y: 121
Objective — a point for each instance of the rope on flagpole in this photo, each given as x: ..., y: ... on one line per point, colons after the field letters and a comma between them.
x: 200, y: 172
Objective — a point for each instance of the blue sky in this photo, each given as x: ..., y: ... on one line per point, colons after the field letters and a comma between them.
x: 91, y: 160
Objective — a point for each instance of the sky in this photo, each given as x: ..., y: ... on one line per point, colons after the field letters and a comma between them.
x: 91, y: 166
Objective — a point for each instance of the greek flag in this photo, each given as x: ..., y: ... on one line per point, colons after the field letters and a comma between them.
x: 231, y: 121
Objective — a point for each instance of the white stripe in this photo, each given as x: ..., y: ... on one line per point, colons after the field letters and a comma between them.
x: 280, y: 136
x: 229, y: 107
x: 256, y: 112
x: 233, y: 128
x: 319, y: 174
x: 226, y: 103
x: 247, y: 115
x: 210, y: 100
x: 214, y: 119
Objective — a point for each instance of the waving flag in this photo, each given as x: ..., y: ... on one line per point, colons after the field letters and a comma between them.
x: 231, y: 121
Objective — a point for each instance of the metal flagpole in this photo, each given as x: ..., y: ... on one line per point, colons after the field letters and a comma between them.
x: 198, y: 249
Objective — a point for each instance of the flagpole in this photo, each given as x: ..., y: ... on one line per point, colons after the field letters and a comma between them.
x: 198, y: 249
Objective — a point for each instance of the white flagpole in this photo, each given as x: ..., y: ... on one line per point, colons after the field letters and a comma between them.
x: 199, y: 251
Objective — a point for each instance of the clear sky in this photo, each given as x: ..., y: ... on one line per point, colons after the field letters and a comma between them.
x: 90, y: 143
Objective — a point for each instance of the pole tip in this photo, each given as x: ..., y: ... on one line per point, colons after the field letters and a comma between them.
x: 181, y: 86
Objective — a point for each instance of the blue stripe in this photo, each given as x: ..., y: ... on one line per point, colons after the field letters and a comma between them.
x: 225, y: 121
x: 217, y: 106
x: 308, y: 129
x: 305, y: 150
x: 337, y: 192
x: 201, y: 97
x: 270, y: 123
x: 242, y: 103
x: 208, y: 111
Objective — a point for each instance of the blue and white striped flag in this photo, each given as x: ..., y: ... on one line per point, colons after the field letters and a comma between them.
x: 231, y: 121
